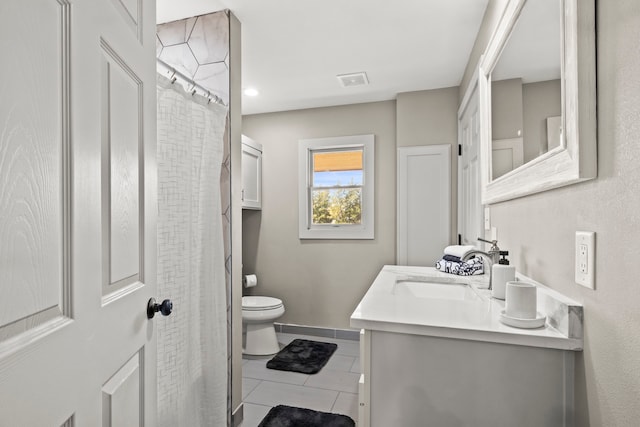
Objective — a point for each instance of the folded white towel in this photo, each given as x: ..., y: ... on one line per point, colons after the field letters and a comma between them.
x: 458, y: 250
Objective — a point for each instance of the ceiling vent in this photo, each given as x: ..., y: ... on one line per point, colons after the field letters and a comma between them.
x: 353, y: 79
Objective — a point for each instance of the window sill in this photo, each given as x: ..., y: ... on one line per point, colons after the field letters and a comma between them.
x: 337, y: 233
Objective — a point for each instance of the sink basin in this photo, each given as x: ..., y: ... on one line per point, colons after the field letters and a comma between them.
x: 435, y: 288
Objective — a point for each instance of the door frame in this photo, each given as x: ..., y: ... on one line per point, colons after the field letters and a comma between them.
x: 471, y: 95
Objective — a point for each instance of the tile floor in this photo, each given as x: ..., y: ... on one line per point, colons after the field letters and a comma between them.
x: 333, y: 389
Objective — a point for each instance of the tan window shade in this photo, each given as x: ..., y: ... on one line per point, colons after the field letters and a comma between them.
x: 337, y: 161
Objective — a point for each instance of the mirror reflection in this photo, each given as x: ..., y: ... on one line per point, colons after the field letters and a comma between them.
x: 526, y: 89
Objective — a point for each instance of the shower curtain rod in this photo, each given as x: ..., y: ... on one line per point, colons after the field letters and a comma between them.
x: 174, y: 75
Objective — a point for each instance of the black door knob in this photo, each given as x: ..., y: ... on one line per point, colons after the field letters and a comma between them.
x: 153, y: 307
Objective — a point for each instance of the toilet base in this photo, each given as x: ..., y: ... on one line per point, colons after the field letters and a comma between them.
x: 259, y: 339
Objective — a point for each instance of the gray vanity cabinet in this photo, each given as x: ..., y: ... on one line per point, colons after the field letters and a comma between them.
x: 414, y: 380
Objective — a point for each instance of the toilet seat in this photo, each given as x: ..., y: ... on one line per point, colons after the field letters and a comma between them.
x: 259, y: 303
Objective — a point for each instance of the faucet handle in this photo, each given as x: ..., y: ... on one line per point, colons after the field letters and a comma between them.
x: 494, y: 244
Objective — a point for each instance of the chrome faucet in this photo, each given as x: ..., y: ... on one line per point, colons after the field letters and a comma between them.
x: 492, y: 256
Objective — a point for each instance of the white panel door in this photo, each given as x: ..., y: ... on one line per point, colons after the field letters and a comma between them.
x: 78, y: 208
x: 424, y: 204
x: 470, y: 212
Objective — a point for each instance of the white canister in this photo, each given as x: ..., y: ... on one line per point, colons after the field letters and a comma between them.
x: 521, y: 300
x: 500, y: 275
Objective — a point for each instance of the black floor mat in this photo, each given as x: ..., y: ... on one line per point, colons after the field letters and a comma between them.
x: 288, y: 416
x: 304, y: 356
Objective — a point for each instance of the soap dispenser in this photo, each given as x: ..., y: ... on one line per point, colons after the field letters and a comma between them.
x: 502, y: 273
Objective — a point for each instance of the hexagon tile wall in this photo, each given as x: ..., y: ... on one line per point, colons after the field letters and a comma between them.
x: 198, y: 47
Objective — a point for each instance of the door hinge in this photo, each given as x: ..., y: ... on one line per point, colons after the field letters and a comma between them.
x: 459, y: 149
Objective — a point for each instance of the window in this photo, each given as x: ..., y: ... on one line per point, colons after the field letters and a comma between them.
x: 336, y: 187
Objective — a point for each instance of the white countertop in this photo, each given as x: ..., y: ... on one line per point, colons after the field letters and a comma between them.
x: 382, y: 309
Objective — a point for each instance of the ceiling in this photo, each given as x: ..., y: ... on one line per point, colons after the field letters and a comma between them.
x: 292, y: 50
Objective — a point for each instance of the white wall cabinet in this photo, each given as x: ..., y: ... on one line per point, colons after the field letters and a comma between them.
x: 424, y: 204
x: 251, y: 174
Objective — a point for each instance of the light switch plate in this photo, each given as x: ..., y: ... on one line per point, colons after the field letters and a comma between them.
x: 585, y: 258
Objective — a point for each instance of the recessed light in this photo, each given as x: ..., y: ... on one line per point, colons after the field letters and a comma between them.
x: 250, y: 91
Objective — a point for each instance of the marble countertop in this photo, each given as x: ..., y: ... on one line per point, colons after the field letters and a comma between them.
x: 384, y: 309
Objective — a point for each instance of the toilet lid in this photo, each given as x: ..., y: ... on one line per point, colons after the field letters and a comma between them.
x: 260, y: 303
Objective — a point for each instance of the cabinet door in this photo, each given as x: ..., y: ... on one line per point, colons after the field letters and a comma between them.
x: 424, y: 203
x: 456, y: 382
x: 251, y: 178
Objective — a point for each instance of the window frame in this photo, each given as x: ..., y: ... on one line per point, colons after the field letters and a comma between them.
x: 364, y: 230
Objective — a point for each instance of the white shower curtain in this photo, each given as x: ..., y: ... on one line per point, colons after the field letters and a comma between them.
x: 192, y: 341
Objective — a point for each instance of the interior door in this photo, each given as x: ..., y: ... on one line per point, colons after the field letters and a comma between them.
x: 78, y: 208
x: 470, y: 213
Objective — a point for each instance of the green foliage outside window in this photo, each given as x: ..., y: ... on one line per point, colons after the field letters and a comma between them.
x: 337, y: 206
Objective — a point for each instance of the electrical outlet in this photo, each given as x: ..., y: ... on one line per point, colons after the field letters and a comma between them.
x: 585, y: 258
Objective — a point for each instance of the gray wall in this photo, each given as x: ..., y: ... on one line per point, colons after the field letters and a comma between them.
x: 506, y: 109
x: 427, y: 117
x: 319, y: 281
x: 492, y: 15
x: 539, y: 231
x: 540, y: 100
x: 524, y: 107
x: 430, y: 117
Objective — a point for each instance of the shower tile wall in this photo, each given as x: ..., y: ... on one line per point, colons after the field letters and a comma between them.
x: 198, y: 47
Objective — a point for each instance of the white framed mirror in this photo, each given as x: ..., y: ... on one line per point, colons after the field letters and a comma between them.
x: 537, y: 93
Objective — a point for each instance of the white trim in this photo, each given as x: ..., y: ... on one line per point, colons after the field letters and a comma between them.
x: 575, y: 160
x: 464, y: 217
x: 471, y: 88
x: 363, y: 231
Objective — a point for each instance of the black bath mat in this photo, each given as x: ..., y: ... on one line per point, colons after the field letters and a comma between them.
x: 288, y: 416
x: 304, y: 356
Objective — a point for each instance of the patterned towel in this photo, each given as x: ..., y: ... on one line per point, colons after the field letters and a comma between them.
x: 471, y: 267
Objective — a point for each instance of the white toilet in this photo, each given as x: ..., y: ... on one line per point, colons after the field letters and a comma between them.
x: 259, y: 334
